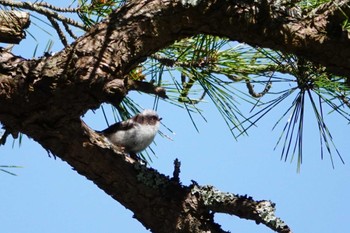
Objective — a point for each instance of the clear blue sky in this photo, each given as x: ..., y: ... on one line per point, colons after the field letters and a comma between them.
x: 48, y: 196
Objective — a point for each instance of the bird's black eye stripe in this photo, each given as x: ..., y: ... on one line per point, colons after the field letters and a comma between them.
x: 155, y: 118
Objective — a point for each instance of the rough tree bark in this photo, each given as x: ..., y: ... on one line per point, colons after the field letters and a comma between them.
x: 94, y: 69
x: 12, y: 25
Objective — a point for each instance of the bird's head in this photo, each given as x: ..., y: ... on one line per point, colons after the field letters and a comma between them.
x: 147, y: 117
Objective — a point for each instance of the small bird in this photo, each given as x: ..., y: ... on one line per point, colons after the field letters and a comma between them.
x: 135, y: 134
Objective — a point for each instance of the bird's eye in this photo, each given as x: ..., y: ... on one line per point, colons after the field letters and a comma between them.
x: 154, y: 119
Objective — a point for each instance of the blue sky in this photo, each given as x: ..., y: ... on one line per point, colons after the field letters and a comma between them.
x: 48, y: 196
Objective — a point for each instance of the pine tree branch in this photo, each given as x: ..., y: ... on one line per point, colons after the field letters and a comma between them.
x: 146, y: 87
x: 241, y: 206
x: 58, y: 30
x: 40, y: 8
x: 74, y: 80
x: 50, y: 12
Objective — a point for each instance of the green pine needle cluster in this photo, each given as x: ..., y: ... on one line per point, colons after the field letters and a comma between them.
x: 228, y: 74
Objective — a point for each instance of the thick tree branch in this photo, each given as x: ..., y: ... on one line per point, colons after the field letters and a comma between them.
x: 158, y: 202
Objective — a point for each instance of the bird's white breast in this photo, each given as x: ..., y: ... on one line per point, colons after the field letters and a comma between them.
x: 136, y: 138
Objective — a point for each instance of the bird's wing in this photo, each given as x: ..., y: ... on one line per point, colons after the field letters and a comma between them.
x: 119, y: 126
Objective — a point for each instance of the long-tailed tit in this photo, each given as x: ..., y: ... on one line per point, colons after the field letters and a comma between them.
x: 135, y: 134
